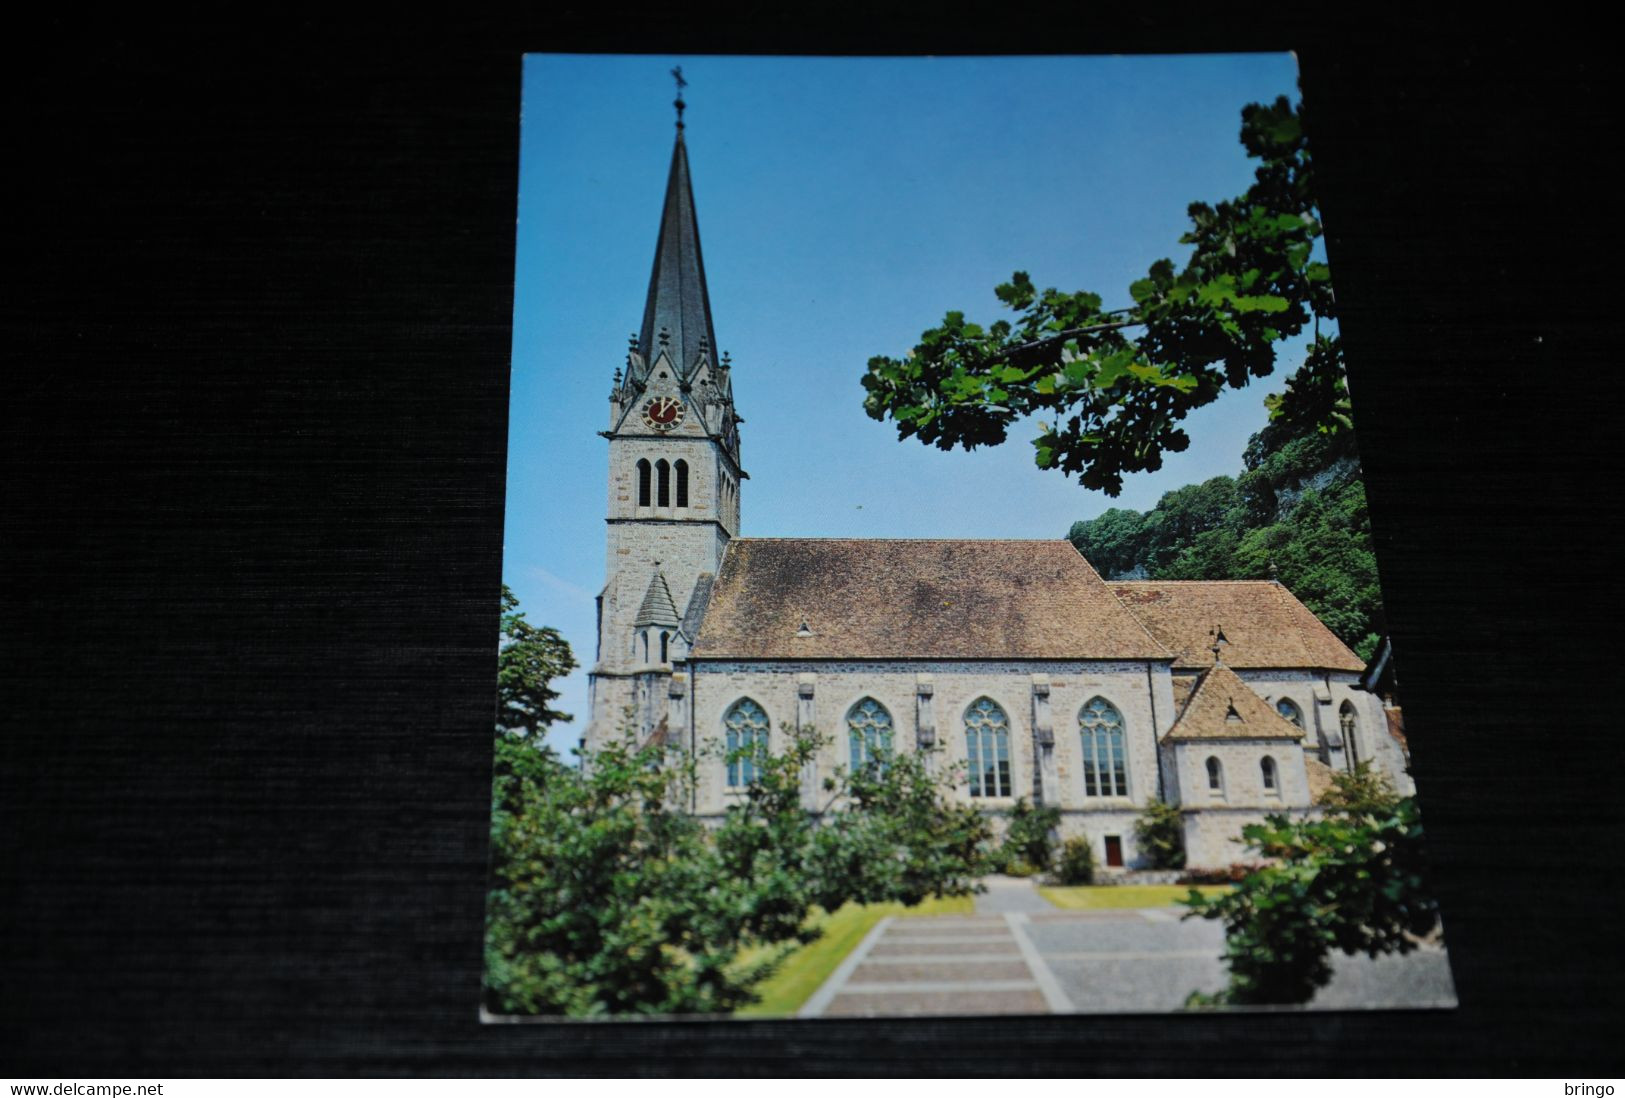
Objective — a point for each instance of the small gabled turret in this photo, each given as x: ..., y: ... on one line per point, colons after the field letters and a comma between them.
x: 658, y: 606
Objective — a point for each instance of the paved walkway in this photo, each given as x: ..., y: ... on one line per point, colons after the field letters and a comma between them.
x: 940, y: 964
x: 1010, y: 894
x: 1019, y: 955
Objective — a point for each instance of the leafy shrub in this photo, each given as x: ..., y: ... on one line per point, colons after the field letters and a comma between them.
x: 608, y: 898
x: 992, y: 858
x: 1030, y: 835
x: 1366, y: 792
x: 1077, y: 864
x: 901, y: 838
x: 1160, y: 831
x: 1350, y: 882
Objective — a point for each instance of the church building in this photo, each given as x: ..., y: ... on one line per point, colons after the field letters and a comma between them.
x: 1013, y: 662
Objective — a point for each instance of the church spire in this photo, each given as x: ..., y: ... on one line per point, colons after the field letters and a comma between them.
x: 678, y: 303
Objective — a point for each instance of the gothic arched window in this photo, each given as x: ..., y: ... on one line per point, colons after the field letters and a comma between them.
x: 1289, y: 709
x: 987, y: 749
x: 745, y: 724
x: 1215, y: 775
x: 1349, y: 725
x: 682, y: 483
x: 665, y: 647
x: 869, y: 731
x: 643, y: 482
x: 1105, y: 763
x: 1266, y: 767
x: 663, y: 485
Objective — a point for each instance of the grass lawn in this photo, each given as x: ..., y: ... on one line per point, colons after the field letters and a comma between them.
x: 805, y: 970
x: 1101, y: 897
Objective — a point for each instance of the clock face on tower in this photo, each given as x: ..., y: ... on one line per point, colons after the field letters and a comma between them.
x: 663, y: 413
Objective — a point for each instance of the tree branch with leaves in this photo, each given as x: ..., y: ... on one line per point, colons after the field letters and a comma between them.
x: 529, y: 659
x: 1115, y: 385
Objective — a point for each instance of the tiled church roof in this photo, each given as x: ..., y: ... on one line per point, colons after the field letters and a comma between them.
x: 1222, y: 707
x: 1264, y: 624
x: 914, y: 599
x: 697, y: 603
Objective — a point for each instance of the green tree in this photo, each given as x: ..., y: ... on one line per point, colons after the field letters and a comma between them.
x: 1352, y: 881
x: 609, y: 898
x: 1117, y: 399
x: 901, y: 835
x: 1112, y: 542
x: 1364, y: 793
x: 529, y: 659
x: 1297, y: 513
x: 601, y: 900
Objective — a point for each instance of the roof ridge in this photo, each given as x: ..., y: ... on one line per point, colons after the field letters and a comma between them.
x: 1267, y: 583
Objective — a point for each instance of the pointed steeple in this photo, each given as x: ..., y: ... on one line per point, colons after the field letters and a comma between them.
x: 678, y: 303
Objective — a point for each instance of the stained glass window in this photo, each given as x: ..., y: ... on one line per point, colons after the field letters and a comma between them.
x: 987, y: 749
x: 869, y: 729
x: 1105, y: 764
x: 1289, y: 709
x: 746, y: 726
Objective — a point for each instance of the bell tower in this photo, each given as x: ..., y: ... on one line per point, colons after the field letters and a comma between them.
x: 674, y: 478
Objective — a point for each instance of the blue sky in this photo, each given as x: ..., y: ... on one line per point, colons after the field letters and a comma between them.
x: 844, y: 205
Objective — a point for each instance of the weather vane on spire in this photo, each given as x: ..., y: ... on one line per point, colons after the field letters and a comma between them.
x: 677, y: 75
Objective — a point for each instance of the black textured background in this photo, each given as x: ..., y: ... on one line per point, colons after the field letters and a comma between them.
x: 256, y: 329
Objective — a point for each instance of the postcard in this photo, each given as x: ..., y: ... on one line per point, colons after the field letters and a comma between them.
x: 951, y: 591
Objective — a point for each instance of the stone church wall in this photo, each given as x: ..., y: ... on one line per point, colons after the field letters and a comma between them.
x: 1320, y: 697
x: 933, y: 697
x: 1214, y: 818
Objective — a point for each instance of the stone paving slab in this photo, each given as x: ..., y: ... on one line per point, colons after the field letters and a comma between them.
x: 918, y: 1004
x: 943, y: 969
x: 1137, y: 935
x: 1111, y: 914
x: 1420, y: 979
x: 967, y: 933
x: 1087, y: 962
x: 1117, y: 985
x: 992, y: 948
